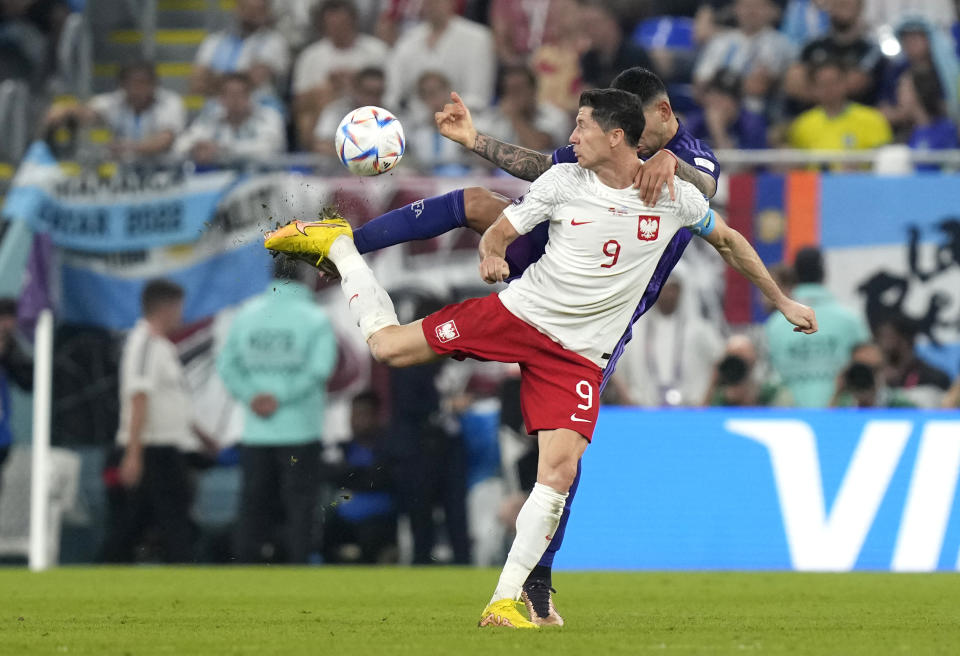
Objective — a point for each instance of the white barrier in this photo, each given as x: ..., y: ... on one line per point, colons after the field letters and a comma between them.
x: 39, y: 557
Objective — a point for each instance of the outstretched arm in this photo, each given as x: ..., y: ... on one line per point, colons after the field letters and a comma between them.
x: 493, y: 248
x: 739, y: 254
x: 455, y: 123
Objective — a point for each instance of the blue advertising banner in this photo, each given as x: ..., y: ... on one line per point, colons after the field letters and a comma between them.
x: 127, y: 212
x: 768, y: 490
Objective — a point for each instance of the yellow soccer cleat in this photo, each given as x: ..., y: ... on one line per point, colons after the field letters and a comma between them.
x: 505, y: 612
x: 308, y: 240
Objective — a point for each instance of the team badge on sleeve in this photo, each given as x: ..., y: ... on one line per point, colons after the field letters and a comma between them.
x: 649, y: 228
x: 447, y: 332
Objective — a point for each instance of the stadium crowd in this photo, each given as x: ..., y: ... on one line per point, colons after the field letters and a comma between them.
x: 830, y: 74
x: 423, y: 443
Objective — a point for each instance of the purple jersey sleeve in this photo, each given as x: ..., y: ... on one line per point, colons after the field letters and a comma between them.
x: 564, y: 155
x: 694, y: 152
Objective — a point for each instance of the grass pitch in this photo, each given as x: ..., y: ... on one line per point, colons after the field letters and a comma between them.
x: 342, y: 611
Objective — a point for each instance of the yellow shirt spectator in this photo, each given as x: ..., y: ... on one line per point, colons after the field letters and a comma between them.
x: 856, y: 127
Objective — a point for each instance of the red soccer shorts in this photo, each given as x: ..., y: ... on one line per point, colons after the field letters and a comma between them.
x: 558, y: 388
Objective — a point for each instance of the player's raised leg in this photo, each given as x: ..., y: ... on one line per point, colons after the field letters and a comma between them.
x: 369, y: 303
x: 475, y: 208
x: 560, y: 451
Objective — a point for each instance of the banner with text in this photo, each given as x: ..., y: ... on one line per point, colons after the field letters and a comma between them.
x: 832, y: 490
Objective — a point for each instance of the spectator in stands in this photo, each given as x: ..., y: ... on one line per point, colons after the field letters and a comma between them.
x: 435, y: 155
x: 847, y: 42
x: 151, y: 485
x: 836, y: 123
x: 556, y: 62
x: 278, y: 355
x: 861, y: 384
x: 921, y: 382
x: 736, y: 380
x: 444, y: 42
x: 921, y: 97
x: 805, y: 20
x: 754, y: 50
x: 250, y: 47
x: 518, y: 29
x: 143, y: 118
x: 29, y: 32
x: 235, y: 129
x: 809, y: 368
x: 671, y: 357
x: 925, y: 48
x: 15, y: 366
x: 609, y: 52
x: 429, y: 462
x: 364, y: 515
x: 883, y: 13
x: 518, y: 118
x: 325, y: 69
x: 724, y: 122
x: 367, y: 88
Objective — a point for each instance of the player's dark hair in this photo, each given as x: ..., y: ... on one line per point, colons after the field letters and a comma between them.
x: 8, y: 307
x: 808, y: 265
x: 159, y: 292
x: 507, y: 71
x: 613, y: 108
x: 138, y: 66
x: 641, y: 82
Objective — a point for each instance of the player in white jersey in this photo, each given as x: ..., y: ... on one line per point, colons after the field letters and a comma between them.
x: 562, y: 317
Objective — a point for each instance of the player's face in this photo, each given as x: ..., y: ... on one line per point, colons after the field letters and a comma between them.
x: 590, y: 142
x: 655, y: 135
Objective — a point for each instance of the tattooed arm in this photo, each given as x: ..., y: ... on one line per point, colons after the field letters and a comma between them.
x: 455, y: 123
x: 521, y: 162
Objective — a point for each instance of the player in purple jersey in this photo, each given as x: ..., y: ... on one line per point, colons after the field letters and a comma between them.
x: 668, y: 149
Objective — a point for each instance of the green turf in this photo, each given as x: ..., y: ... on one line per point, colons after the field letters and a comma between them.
x: 340, y: 611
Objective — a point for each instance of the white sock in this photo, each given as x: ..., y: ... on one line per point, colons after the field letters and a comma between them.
x: 536, y: 524
x: 369, y: 303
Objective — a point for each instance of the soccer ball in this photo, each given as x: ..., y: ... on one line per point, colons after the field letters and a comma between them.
x: 369, y: 141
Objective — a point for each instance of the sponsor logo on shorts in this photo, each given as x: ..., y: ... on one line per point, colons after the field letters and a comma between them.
x: 649, y: 228
x: 447, y: 332
x: 417, y: 208
x: 574, y: 417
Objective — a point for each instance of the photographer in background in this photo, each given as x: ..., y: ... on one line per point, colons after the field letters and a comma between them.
x: 16, y: 366
x: 736, y: 382
x: 861, y: 385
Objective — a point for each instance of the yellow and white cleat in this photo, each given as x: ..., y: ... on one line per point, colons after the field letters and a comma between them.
x: 308, y: 240
x: 505, y: 612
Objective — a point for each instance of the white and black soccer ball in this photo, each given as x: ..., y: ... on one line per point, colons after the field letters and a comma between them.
x: 370, y: 141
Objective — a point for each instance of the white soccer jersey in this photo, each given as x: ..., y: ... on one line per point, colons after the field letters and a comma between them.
x: 603, y: 249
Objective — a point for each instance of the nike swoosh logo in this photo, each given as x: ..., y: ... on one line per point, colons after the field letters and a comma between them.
x: 574, y: 222
x: 574, y: 417
x: 353, y: 297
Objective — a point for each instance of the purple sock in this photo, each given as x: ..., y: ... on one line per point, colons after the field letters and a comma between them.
x: 547, y: 560
x: 421, y: 220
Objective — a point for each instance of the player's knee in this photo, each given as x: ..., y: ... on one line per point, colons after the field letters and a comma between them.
x: 558, y: 476
x: 482, y: 207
